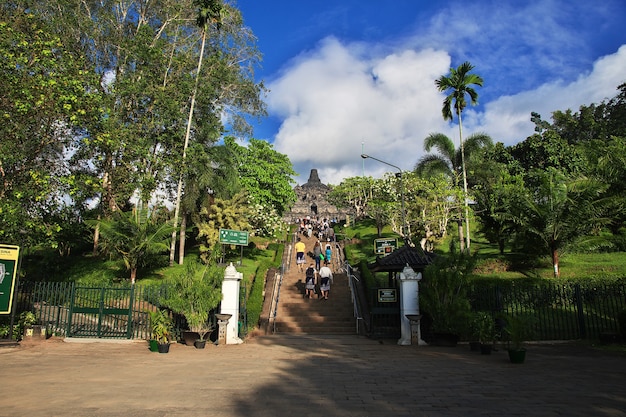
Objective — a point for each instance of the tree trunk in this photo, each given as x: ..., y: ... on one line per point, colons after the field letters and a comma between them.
x: 133, y: 275
x: 185, y: 146
x: 96, y: 239
x: 555, y: 262
x: 181, y: 243
x: 459, y: 222
x: 465, y: 195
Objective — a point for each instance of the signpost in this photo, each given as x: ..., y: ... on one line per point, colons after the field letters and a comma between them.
x: 385, y: 246
x: 387, y: 295
x: 8, y: 271
x: 233, y: 237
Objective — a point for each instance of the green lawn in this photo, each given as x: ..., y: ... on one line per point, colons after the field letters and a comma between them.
x: 493, y: 265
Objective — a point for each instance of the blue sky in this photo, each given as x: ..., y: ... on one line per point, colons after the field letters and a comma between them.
x: 347, y: 75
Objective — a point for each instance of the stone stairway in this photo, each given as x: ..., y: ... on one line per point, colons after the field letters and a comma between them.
x: 299, y: 315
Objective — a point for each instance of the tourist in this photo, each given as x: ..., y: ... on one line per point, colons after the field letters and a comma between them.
x: 328, y: 254
x: 309, y: 283
x: 300, y: 247
x: 317, y: 252
x: 326, y: 278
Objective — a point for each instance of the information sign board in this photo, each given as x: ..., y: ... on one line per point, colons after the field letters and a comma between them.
x: 233, y: 237
x: 385, y: 246
x: 387, y: 295
x: 8, y: 271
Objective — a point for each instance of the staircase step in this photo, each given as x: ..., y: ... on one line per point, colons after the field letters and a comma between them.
x: 299, y: 315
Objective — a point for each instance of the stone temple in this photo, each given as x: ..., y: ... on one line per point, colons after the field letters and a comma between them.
x: 311, y: 201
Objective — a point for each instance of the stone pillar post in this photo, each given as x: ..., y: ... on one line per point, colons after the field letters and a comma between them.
x: 409, y: 306
x: 230, y: 303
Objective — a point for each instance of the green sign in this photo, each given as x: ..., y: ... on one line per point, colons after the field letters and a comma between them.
x: 8, y: 271
x: 385, y: 246
x: 233, y: 237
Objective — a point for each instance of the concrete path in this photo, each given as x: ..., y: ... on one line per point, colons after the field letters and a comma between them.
x: 297, y: 375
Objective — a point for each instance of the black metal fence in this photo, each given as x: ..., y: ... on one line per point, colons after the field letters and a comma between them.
x: 557, y: 311
x: 69, y: 310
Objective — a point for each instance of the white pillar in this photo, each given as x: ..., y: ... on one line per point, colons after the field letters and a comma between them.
x: 230, y: 303
x: 409, y: 304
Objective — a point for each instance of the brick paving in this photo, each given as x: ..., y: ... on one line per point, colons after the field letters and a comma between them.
x: 307, y: 375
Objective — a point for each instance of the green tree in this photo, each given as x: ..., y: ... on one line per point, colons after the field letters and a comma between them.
x: 44, y: 100
x: 265, y: 174
x: 449, y: 161
x: 431, y: 204
x: 460, y: 83
x: 209, y: 12
x: 221, y: 214
x: 497, y: 193
x: 355, y: 193
x: 135, y: 236
x: 558, y: 211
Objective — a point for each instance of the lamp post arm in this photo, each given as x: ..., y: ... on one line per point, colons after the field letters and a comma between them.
x: 404, y: 223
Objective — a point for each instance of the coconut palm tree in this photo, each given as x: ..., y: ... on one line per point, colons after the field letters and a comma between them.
x: 448, y: 160
x: 459, y: 83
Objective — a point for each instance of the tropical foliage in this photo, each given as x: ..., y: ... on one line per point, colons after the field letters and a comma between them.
x: 134, y: 235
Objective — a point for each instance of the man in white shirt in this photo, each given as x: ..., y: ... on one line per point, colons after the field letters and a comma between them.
x: 326, y: 278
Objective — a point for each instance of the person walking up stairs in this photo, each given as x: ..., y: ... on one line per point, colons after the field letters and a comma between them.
x: 299, y: 315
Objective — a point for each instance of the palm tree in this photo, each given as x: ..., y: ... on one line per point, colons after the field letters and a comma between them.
x: 559, y: 211
x: 460, y: 82
x: 209, y: 11
x: 449, y: 160
x: 134, y: 235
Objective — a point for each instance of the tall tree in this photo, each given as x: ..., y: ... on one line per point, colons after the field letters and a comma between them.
x: 45, y: 99
x: 449, y: 160
x: 209, y: 12
x: 460, y: 83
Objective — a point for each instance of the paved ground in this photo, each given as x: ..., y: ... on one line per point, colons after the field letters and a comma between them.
x: 307, y: 376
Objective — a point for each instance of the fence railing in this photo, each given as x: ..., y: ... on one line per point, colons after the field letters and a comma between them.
x: 69, y: 310
x: 558, y: 311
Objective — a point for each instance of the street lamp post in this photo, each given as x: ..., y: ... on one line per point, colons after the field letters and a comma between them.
x: 399, y: 175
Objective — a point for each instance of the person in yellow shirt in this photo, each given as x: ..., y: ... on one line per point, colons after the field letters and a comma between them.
x: 300, y: 248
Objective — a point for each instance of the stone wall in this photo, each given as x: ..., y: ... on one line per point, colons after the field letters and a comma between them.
x: 311, y: 201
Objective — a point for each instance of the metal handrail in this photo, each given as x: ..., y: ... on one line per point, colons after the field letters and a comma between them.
x: 278, y: 283
x: 355, y: 299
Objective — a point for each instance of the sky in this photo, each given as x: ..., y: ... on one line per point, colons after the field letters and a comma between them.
x: 347, y: 77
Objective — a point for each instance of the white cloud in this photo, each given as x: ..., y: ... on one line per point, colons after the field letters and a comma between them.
x: 340, y: 98
x: 507, y: 119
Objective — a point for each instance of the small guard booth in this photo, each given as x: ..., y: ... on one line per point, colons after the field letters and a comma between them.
x: 390, y: 306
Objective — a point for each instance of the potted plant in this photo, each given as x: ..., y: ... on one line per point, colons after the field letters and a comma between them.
x: 485, y: 331
x: 26, y: 322
x: 518, y: 329
x: 193, y: 294
x: 443, y: 296
x: 161, y: 327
